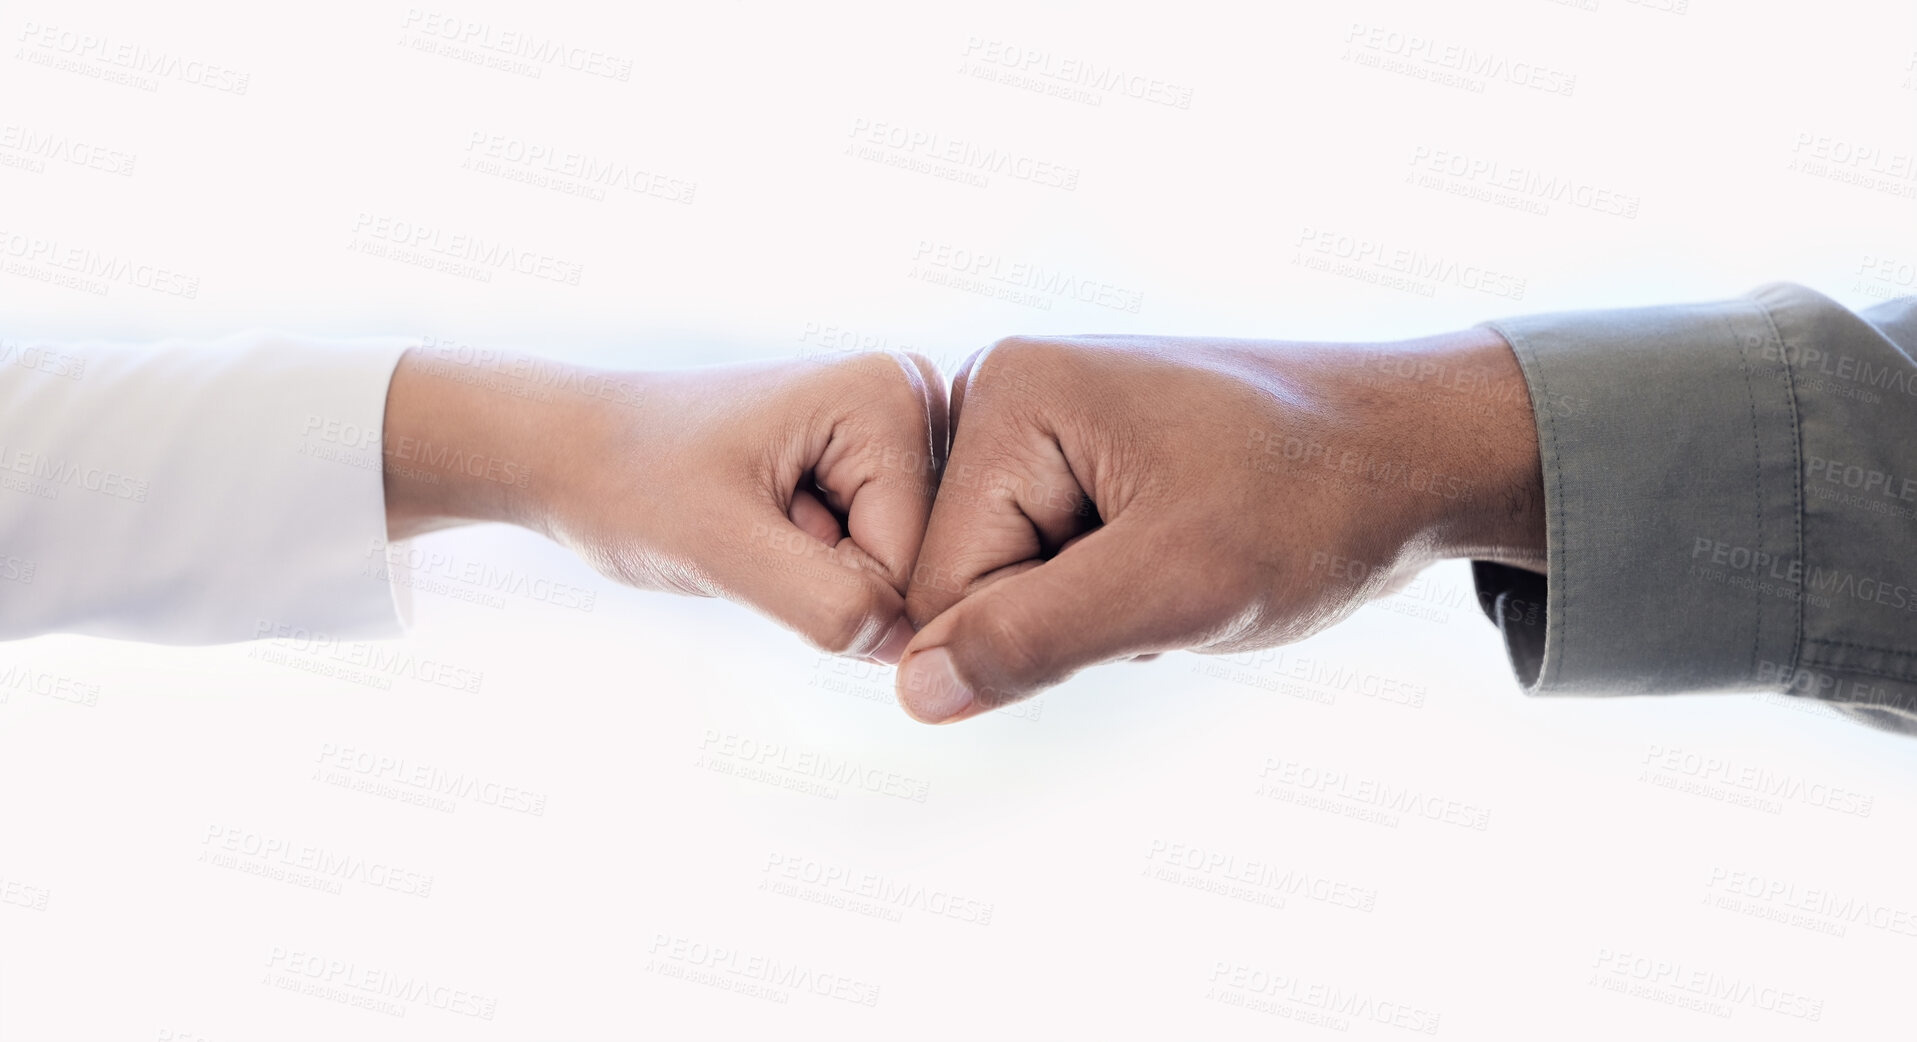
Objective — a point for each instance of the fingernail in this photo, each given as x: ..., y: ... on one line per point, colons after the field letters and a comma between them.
x: 892, y: 648
x: 933, y: 691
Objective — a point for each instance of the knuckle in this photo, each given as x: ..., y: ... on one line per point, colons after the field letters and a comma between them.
x: 1008, y: 355
x: 894, y: 388
x: 928, y: 370
x: 881, y: 373
x: 1014, y: 343
x: 1022, y: 368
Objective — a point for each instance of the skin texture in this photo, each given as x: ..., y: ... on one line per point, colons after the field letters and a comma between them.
x: 799, y: 488
x: 1116, y: 497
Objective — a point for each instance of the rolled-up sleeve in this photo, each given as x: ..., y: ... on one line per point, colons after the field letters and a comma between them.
x: 1730, y: 501
x: 194, y: 493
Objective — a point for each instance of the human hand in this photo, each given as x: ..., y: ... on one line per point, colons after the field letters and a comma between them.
x: 1110, y: 497
x: 799, y: 488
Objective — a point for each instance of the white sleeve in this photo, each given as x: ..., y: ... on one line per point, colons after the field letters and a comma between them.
x: 195, y: 493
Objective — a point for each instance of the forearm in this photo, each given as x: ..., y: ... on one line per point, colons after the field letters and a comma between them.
x: 1459, y: 401
x: 464, y: 444
x: 1426, y: 448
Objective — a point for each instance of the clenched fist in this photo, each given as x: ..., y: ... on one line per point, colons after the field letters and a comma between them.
x: 1112, y: 497
x: 799, y: 488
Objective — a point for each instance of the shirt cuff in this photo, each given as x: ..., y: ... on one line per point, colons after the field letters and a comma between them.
x: 243, y: 494
x: 1669, y: 444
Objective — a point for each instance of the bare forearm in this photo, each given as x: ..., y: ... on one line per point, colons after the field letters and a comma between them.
x: 1464, y: 394
x: 461, y: 447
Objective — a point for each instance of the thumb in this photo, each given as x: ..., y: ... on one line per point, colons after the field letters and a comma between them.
x: 1111, y: 594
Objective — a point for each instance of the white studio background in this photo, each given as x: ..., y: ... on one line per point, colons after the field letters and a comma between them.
x: 652, y: 817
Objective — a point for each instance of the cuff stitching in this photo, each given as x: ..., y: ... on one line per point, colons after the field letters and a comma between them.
x: 1863, y: 647
x: 1757, y: 485
x: 1799, y: 624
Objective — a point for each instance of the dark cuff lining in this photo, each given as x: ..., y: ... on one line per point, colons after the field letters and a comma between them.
x: 1515, y: 599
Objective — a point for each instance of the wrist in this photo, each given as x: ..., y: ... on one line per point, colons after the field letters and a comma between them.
x: 475, y: 443
x: 1470, y: 398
